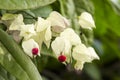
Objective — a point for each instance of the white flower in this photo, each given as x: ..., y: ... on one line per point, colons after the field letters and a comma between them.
x: 58, y: 22
x: 27, y: 31
x: 61, y: 45
x: 70, y: 35
x: 17, y: 22
x: 43, y: 29
x: 28, y: 45
x: 80, y: 53
x: 83, y: 54
x: 86, y: 21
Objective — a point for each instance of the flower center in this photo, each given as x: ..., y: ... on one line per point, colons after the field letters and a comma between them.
x: 62, y: 58
x: 35, y: 51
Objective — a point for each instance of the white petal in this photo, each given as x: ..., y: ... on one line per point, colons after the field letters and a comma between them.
x: 58, y: 22
x: 47, y: 43
x: 48, y: 34
x: 67, y: 49
x: 70, y: 35
x: 93, y: 53
x: 27, y: 31
x: 58, y: 45
x: 61, y: 45
x: 80, y: 53
x: 16, y: 24
x: 28, y: 45
x: 42, y: 24
x: 79, y: 65
x: 86, y: 21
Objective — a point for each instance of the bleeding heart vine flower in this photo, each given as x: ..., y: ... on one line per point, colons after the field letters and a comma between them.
x: 62, y: 45
x: 15, y: 21
x: 67, y: 46
x: 43, y: 29
x: 70, y: 35
x: 86, y: 21
x: 27, y: 31
x: 58, y: 22
x: 83, y: 54
x: 31, y: 48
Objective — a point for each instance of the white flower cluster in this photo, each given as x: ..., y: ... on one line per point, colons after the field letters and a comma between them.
x: 66, y: 46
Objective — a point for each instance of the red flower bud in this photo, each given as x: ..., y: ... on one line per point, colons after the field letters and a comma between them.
x: 35, y: 51
x: 62, y: 58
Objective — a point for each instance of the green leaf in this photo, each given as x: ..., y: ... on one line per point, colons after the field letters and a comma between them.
x: 23, y: 60
x: 3, y: 73
x: 23, y: 4
x: 7, y: 61
x: 42, y: 11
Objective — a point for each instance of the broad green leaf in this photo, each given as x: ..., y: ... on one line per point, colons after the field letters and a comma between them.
x: 23, y: 4
x: 11, y: 77
x: 7, y: 75
x: 42, y: 11
x: 23, y: 60
x: 3, y: 72
x: 7, y: 61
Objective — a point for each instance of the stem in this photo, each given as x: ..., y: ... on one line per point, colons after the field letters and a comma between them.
x: 35, y: 60
x: 62, y: 7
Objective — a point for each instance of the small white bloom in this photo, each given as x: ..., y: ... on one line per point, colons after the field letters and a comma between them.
x: 27, y: 31
x: 42, y: 24
x: 86, y: 21
x: 83, y: 54
x: 70, y: 35
x: 80, y: 53
x: 43, y: 29
x: 61, y: 45
x: 58, y: 22
x: 28, y: 45
x: 17, y: 22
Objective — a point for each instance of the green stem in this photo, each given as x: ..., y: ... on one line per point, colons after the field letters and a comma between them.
x: 62, y: 7
x: 35, y: 61
x: 20, y: 57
